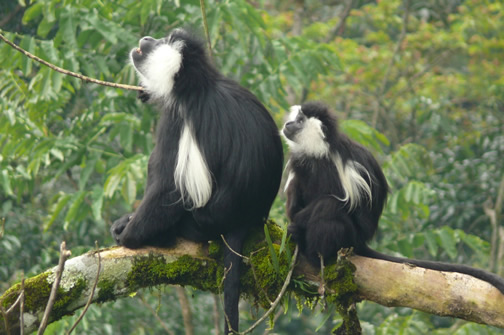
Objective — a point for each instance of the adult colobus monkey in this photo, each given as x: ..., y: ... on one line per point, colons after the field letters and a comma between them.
x: 217, y: 163
x: 336, y: 192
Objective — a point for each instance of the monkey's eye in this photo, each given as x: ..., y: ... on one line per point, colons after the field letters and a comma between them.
x: 300, y: 118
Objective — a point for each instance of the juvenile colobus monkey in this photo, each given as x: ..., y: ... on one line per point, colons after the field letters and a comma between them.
x: 217, y: 163
x: 336, y: 192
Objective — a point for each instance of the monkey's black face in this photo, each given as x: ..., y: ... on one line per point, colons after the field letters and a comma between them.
x: 305, y: 133
x: 145, y: 47
x: 158, y: 61
x: 293, y: 127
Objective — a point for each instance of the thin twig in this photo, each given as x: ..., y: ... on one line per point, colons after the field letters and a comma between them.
x: 4, y: 316
x: 216, y: 315
x: 275, y: 318
x: 278, y: 298
x: 67, y: 72
x: 21, y: 308
x: 322, y: 281
x: 64, y: 254
x: 91, y: 295
x: 14, y: 305
x: 500, y: 253
x: 231, y: 249
x: 9, y: 17
x: 161, y: 322
x: 205, y: 26
x: 322, y: 287
x: 338, y: 30
x: 2, y: 227
x: 186, y: 310
x: 224, y: 275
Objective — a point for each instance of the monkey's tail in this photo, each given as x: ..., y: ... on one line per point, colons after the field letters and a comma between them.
x: 232, y: 264
x: 489, y: 277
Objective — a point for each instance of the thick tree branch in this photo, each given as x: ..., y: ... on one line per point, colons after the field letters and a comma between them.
x: 124, y: 271
x: 338, y: 29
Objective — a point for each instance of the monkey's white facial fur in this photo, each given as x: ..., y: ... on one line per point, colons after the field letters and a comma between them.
x: 157, y: 62
x: 304, y: 135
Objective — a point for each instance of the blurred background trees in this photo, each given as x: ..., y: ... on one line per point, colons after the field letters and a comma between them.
x: 421, y: 83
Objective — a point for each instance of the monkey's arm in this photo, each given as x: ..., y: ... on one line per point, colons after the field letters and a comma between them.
x: 294, y: 199
x: 322, y: 228
x: 157, y: 215
x: 299, y: 216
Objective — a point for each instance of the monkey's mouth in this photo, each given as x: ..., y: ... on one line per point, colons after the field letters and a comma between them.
x: 137, y: 56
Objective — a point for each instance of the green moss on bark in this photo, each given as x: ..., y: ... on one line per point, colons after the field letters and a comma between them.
x: 153, y: 270
x: 37, y: 291
x: 260, y: 278
x: 339, y: 279
x: 106, y: 291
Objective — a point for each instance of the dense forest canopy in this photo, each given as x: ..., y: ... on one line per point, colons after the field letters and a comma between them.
x: 420, y: 83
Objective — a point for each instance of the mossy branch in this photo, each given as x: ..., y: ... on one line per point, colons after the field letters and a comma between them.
x: 124, y: 271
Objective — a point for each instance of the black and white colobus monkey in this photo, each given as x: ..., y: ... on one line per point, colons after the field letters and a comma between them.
x: 218, y: 159
x: 336, y: 192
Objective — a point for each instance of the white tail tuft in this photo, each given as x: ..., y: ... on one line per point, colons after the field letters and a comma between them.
x: 354, y: 185
x: 192, y: 176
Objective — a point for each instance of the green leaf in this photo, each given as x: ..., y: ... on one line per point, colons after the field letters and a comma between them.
x: 56, y: 209
x: 364, y: 134
x: 274, y: 258
x: 57, y: 153
x: 478, y: 245
x: 75, y: 205
x: 45, y: 27
x: 129, y: 188
x: 57, y: 80
x: 6, y: 182
x: 68, y: 30
x: 111, y: 185
x: 114, y: 118
x: 413, y: 324
x: 97, y: 202
x: 27, y: 43
x: 88, y: 168
x: 126, y: 137
x: 448, y: 241
x: 411, y: 161
x: 105, y: 28
x: 432, y: 245
x: 145, y: 11
x: 405, y: 247
x: 32, y: 12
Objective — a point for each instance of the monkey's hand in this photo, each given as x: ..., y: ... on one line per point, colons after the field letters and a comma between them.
x: 121, y: 233
x: 143, y: 96
x: 295, y: 232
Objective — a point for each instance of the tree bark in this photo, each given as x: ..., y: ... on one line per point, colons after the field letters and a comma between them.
x: 124, y: 271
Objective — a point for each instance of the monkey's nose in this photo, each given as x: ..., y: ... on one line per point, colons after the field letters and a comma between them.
x: 147, y: 44
x: 147, y: 38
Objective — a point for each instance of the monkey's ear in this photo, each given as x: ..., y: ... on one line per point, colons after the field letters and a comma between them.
x: 143, y: 96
